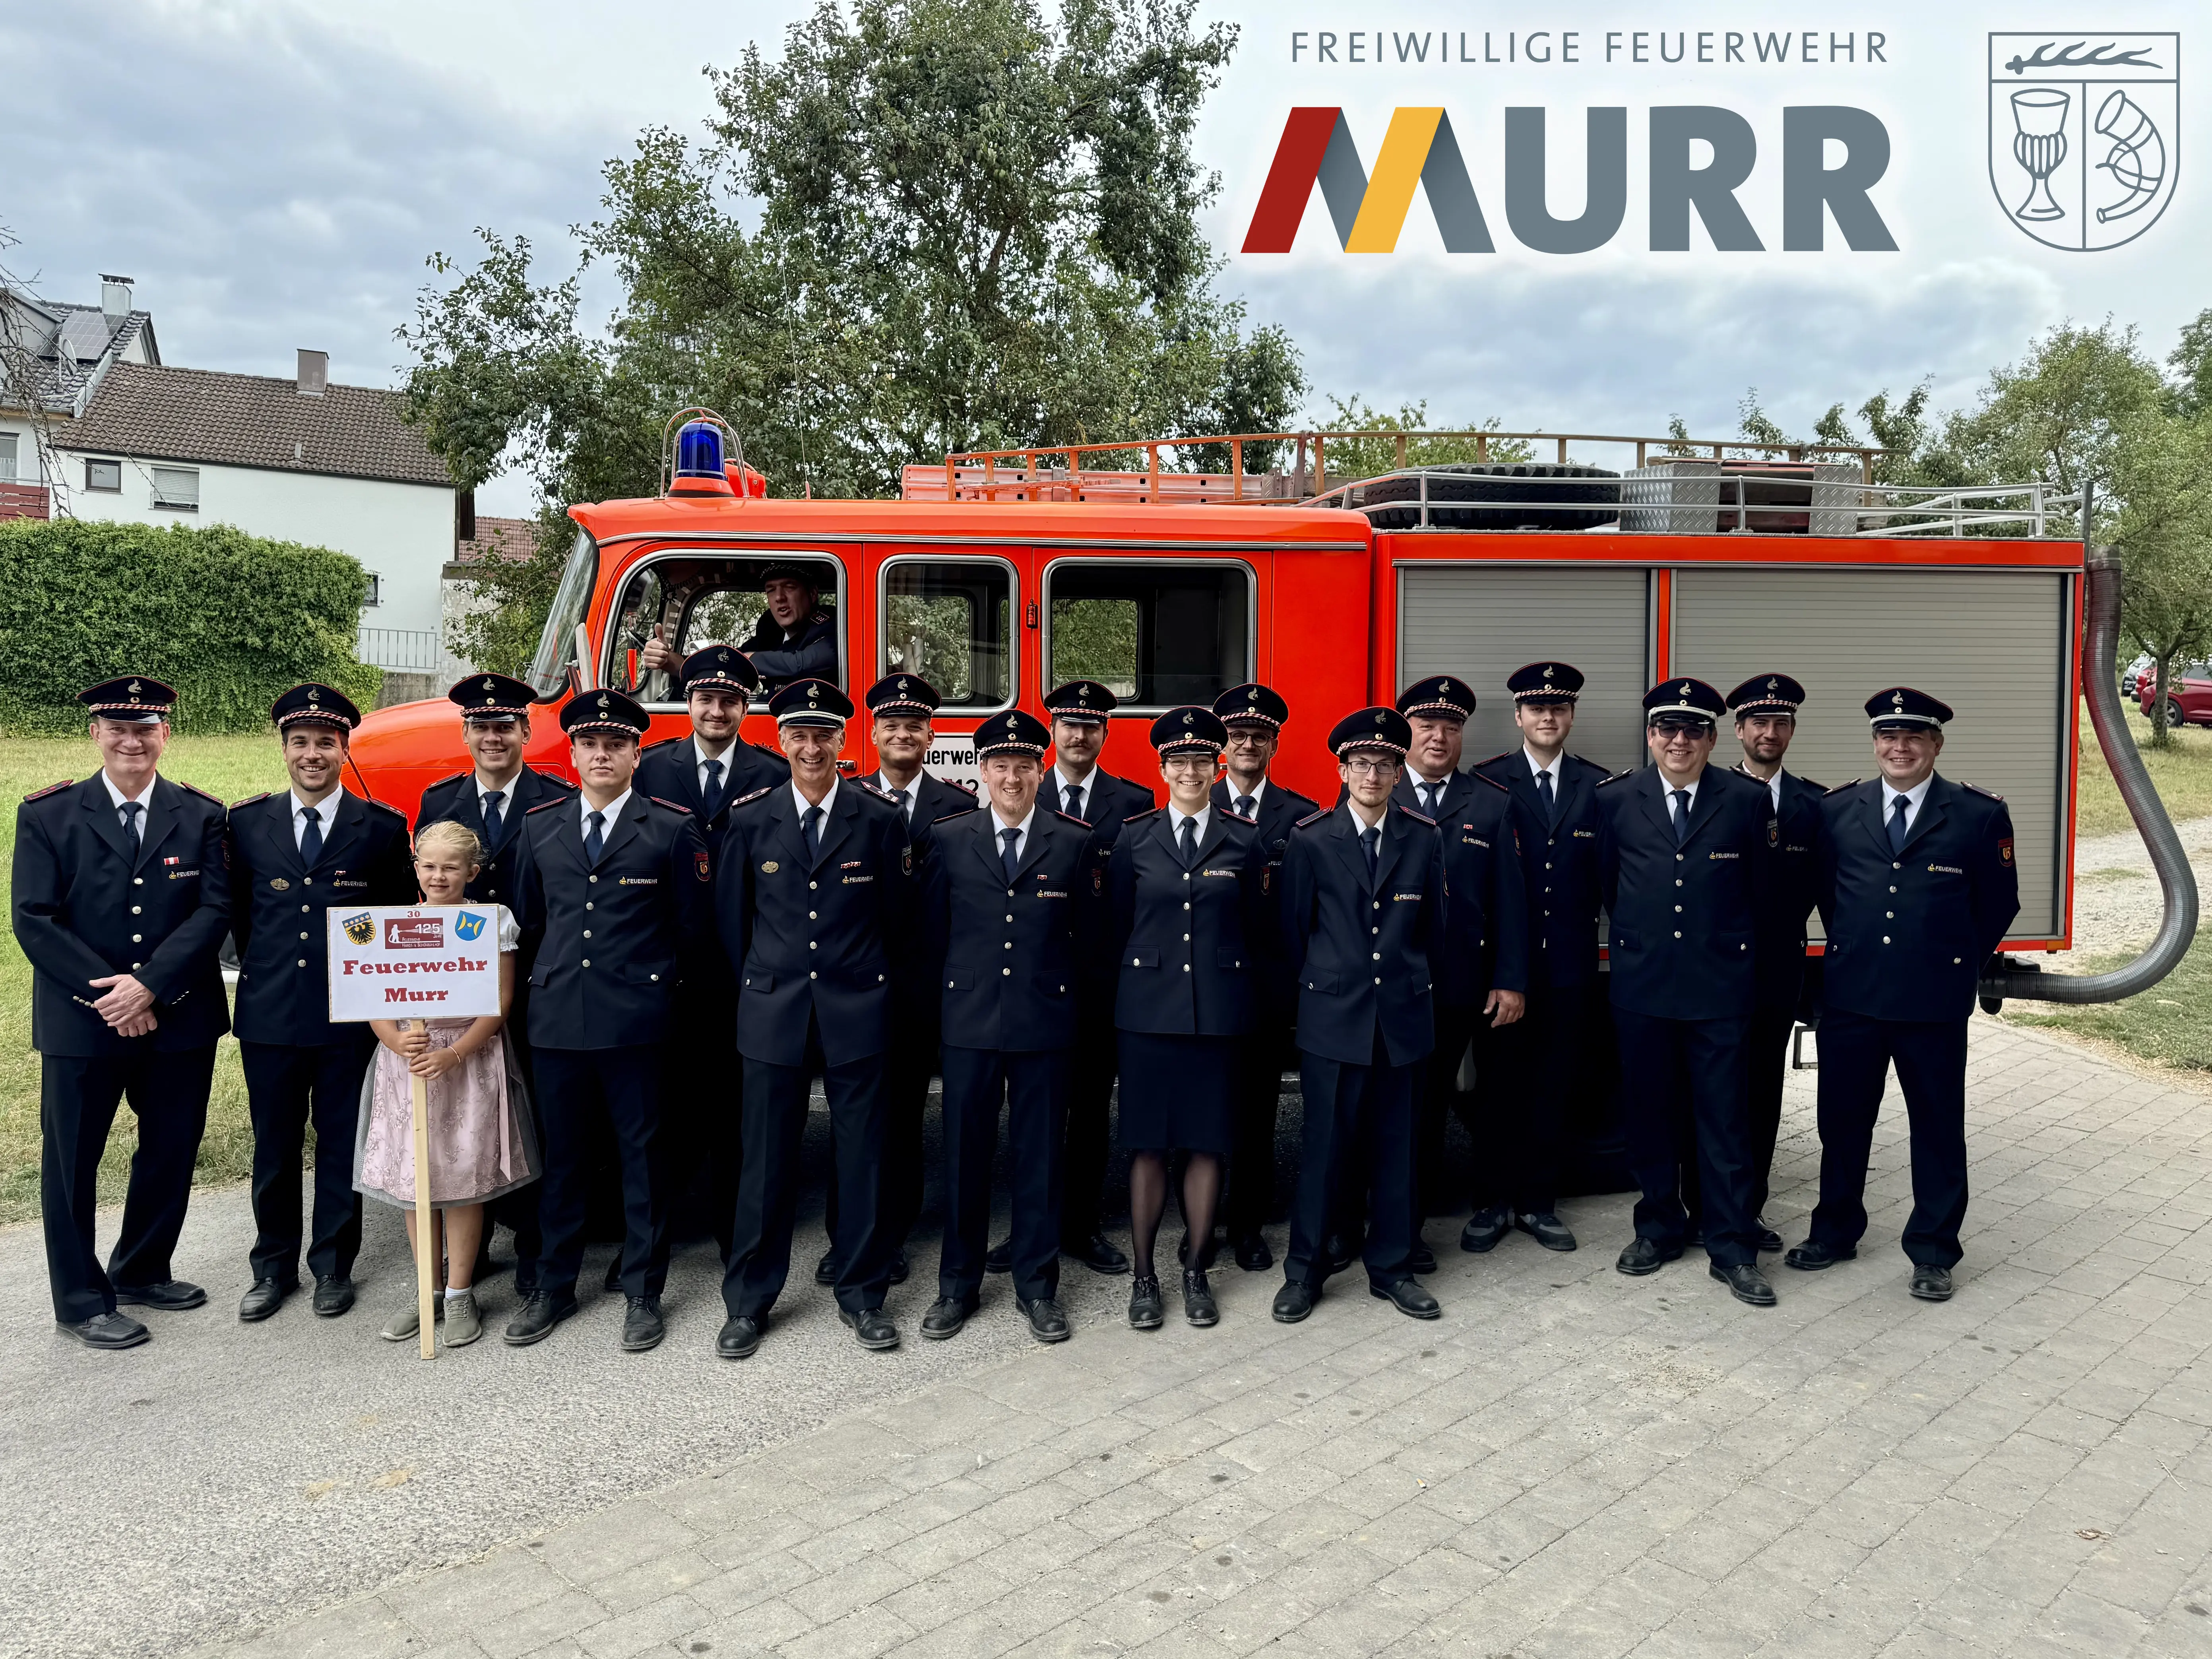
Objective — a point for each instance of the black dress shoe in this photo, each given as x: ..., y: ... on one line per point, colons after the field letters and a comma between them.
x: 642, y: 1328
x: 1097, y: 1253
x: 1420, y: 1258
x: 1693, y: 1235
x: 1252, y: 1254
x: 827, y: 1269
x: 613, y: 1281
x: 1812, y: 1256
x: 1147, y: 1312
x: 1768, y: 1240
x: 1198, y: 1304
x: 105, y: 1330
x: 264, y: 1299
x: 1048, y: 1323
x: 1931, y: 1283
x: 170, y: 1296
x: 1547, y: 1229
x: 1484, y: 1228
x: 1644, y: 1256
x: 899, y: 1269
x: 1293, y: 1302
x: 1000, y: 1258
x: 1183, y: 1253
x: 946, y: 1316
x: 738, y: 1338
x: 537, y: 1317
x: 333, y: 1296
x: 1410, y: 1297
x: 1745, y: 1282
x: 873, y: 1326
x: 1336, y: 1253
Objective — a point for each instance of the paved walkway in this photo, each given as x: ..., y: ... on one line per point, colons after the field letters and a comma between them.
x: 1568, y: 1463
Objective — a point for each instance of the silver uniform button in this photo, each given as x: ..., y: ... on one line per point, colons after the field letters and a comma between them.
x: 587, y: 932
x: 1186, y: 967
x: 813, y: 975
x: 1006, y: 972
x: 138, y: 881
x: 1885, y: 938
x: 136, y: 909
x: 306, y: 907
x: 1678, y: 932
x: 302, y: 963
x: 137, y: 939
x: 302, y: 936
x: 587, y: 961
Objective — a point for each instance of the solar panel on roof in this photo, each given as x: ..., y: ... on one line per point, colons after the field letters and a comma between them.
x: 84, y: 335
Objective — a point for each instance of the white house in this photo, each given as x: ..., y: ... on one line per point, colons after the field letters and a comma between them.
x: 53, y: 356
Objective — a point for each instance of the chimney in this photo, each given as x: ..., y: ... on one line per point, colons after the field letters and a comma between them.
x: 114, y: 300
x: 314, y: 371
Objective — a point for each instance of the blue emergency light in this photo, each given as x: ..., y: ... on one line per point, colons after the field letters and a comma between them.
x: 699, y: 451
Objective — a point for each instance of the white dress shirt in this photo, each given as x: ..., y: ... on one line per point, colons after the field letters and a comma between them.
x: 912, y: 793
x: 1000, y: 826
x: 326, y: 812
x: 1667, y: 795
x: 144, y: 797
x: 506, y: 797
x: 1177, y: 817
x: 1062, y: 782
x: 1422, y: 788
x: 829, y: 804
x: 613, y: 808
x: 1258, y: 792
x: 700, y: 757
x: 1537, y: 768
x: 1914, y: 798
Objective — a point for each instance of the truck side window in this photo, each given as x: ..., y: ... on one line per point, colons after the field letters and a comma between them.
x: 952, y: 624
x: 1157, y: 634
x: 689, y: 598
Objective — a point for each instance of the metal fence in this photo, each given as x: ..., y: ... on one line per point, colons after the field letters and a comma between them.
x: 407, y: 650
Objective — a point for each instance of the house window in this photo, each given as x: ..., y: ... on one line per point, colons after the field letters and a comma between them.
x: 375, y: 590
x: 103, y: 475
x: 9, y: 443
x: 177, y: 487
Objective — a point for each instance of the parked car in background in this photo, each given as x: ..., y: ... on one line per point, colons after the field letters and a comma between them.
x: 2188, y: 694
x: 2132, y: 675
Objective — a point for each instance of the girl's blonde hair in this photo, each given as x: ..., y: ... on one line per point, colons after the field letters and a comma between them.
x: 448, y: 832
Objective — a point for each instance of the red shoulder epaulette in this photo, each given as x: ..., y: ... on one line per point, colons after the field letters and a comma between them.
x: 1065, y: 818
x: 1238, y: 817
x: 193, y: 788
x: 673, y: 806
x: 962, y: 783
x: 552, y: 777
x: 1809, y: 784
x: 1615, y: 777
x: 1493, y: 782
x: 386, y: 805
x: 1150, y: 812
x: 1314, y: 816
x: 40, y: 794
x: 947, y: 817
x: 663, y: 743
x: 1989, y: 793
x: 442, y: 782
x: 249, y: 800
x: 742, y: 800
x: 547, y: 806
x: 1840, y: 787
x: 1421, y: 817
x: 1501, y: 754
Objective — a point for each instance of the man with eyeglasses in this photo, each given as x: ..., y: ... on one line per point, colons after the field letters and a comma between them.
x: 1255, y: 716
x: 1918, y: 887
x: 1685, y: 857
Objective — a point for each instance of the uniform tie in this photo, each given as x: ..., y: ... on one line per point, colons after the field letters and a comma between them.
x: 1189, y: 837
x: 813, y: 830
x: 311, y: 838
x: 1071, y: 803
x: 1681, y: 816
x: 130, y: 809
x: 1432, y: 794
x: 1247, y: 807
x: 899, y: 795
x: 711, y: 796
x: 1544, y: 793
x: 1897, y: 804
x: 595, y: 841
x: 1009, y: 856
x: 1370, y: 841
x: 491, y: 815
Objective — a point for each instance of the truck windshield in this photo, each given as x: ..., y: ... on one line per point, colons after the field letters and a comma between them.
x: 556, y: 646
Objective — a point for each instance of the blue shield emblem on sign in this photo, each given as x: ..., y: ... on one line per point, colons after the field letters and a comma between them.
x: 468, y: 925
x: 2085, y: 133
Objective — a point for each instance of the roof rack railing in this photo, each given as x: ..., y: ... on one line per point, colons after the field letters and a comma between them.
x: 1058, y: 471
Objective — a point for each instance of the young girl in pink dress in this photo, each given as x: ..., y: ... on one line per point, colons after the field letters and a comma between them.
x: 480, y: 1144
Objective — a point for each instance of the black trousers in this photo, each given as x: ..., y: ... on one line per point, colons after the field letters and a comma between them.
x: 1528, y: 1077
x: 583, y: 1095
x: 767, y: 1186
x: 1358, y: 1127
x: 702, y: 1112
x: 1441, y: 1101
x: 78, y: 1098
x: 907, y: 1068
x: 1260, y: 1066
x: 1930, y: 1056
x: 1090, y: 1098
x: 1034, y: 1087
x: 1685, y: 1103
x: 286, y: 1089
x: 1769, y: 1064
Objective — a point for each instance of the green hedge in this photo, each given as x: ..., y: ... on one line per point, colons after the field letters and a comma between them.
x: 230, y: 620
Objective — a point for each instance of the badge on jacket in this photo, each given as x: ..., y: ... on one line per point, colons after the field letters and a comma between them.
x: 701, y: 858
x: 2004, y: 850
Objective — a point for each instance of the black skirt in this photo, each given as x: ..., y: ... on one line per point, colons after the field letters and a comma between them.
x: 1175, y: 1091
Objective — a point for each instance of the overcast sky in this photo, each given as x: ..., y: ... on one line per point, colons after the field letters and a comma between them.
x: 274, y: 174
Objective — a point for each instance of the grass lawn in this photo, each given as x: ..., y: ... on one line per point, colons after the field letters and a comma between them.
x: 2182, y: 773
x: 231, y: 768
x: 2168, y: 1025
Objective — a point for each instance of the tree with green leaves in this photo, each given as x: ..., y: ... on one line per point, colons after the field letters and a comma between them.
x: 2161, y: 524
x: 978, y: 228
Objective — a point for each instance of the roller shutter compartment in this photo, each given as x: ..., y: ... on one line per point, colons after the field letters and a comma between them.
x: 1482, y: 621
x: 1993, y: 644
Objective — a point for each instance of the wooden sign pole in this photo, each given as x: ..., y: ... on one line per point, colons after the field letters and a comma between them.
x: 426, y: 1220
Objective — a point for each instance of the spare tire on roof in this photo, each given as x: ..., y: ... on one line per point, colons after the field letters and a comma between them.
x: 1512, y: 495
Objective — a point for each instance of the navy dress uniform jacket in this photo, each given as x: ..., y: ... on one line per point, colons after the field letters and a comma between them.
x: 1908, y: 933
x: 1559, y: 863
x: 810, y: 653
x: 934, y: 800
x: 1005, y: 960
x: 1184, y: 938
x: 816, y: 935
x: 670, y: 771
x: 1488, y: 945
x: 1280, y: 809
x: 605, y: 945
x: 1361, y: 948
x: 455, y: 800
x: 1686, y: 920
x: 277, y: 906
x: 1782, y: 968
x: 87, y: 905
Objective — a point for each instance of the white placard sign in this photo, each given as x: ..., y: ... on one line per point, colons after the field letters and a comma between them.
x: 952, y: 756
x: 425, y: 962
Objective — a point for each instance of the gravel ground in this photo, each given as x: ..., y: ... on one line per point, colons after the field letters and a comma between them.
x: 2116, y: 893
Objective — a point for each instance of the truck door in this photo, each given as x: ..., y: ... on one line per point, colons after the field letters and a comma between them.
x: 952, y: 618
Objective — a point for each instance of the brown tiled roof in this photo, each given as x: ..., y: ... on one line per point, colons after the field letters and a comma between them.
x: 512, y: 539
x: 252, y: 420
